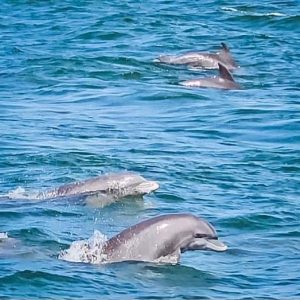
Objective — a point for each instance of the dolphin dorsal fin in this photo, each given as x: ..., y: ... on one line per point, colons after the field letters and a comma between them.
x: 224, y: 47
x: 225, y: 57
x: 224, y: 73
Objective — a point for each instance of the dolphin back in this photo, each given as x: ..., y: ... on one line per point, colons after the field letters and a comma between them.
x: 118, y: 184
x: 203, y: 60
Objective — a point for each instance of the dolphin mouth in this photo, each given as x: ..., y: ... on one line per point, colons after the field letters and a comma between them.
x: 215, y: 245
x: 147, y: 187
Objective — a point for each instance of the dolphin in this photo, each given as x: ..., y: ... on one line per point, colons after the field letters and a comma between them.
x: 109, y: 187
x: 7, y: 244
x: 223, y: 81
x: 162, y: 238
x: 201, y: 60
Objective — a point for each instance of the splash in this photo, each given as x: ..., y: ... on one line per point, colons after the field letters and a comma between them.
x: 21, y: 193
x: 86, y: 251
x: 3, y: 235
x: 172, y: 259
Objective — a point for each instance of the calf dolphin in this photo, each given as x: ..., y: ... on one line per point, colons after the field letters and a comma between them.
x: 201, y: 59
x: 114, y: 185
x: 223, y: 81
x: 162, y: 238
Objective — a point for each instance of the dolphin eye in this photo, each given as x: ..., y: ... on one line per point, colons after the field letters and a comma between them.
x: 203, y: 235
x: 200, y: 235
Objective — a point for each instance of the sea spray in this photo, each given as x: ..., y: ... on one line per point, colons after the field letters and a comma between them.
x: 87, y: 251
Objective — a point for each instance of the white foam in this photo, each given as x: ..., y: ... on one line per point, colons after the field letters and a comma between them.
x: 86, y: 251
x: 3, y: 235
x: 276, y: 14
x: 21, y: 193
x: 229, y: 8
x: 271, y: 14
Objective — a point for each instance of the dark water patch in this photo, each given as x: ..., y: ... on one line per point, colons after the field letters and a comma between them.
x: 10, y: 215
x: 291, y: 234
x: 170, y: 197
x: 32, y: 233
x: 52, y: 247
x: 132, y: 75
x: 102, y: 36
x: 52, y: 213
x: 35, y: 278
x: 289, y: 23
x: 253, y: 222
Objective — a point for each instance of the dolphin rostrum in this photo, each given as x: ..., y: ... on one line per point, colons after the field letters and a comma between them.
x: 114, y: 185
x: 162, y: 238
x: 201, y: 60
x: 223, y: 81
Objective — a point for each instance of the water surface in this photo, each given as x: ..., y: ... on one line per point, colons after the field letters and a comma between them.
x: 80, y: 96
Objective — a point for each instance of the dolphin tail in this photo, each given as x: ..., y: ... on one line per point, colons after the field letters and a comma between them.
x: 224, y: 73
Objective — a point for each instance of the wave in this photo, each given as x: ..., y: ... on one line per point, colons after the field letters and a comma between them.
x: 254, y: 14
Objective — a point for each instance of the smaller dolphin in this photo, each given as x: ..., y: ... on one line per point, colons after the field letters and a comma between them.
x: 7, y: 244
x: 109, y: 187
x: 201, y: 60
x: 162, y: 238
x: 223, y: 81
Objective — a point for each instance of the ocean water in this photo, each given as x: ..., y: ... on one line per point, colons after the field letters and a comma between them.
x: 81, y: 96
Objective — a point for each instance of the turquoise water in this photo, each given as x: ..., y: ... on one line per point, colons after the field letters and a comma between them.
x: 80, y: 96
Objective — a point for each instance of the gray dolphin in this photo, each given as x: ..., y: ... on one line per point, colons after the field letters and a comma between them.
x: 7, y: 244
x: 160, y: 238
x: 223, y: 81
x: 201, y: 59
x: 114, y: 186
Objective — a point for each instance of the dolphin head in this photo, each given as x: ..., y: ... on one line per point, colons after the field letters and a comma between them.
x: 145, y: 187
x: 204, y: 237
x: 134, y: 184
x: 129, y: 184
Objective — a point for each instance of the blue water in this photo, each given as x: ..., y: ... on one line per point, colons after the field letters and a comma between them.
x: 80, y: 96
